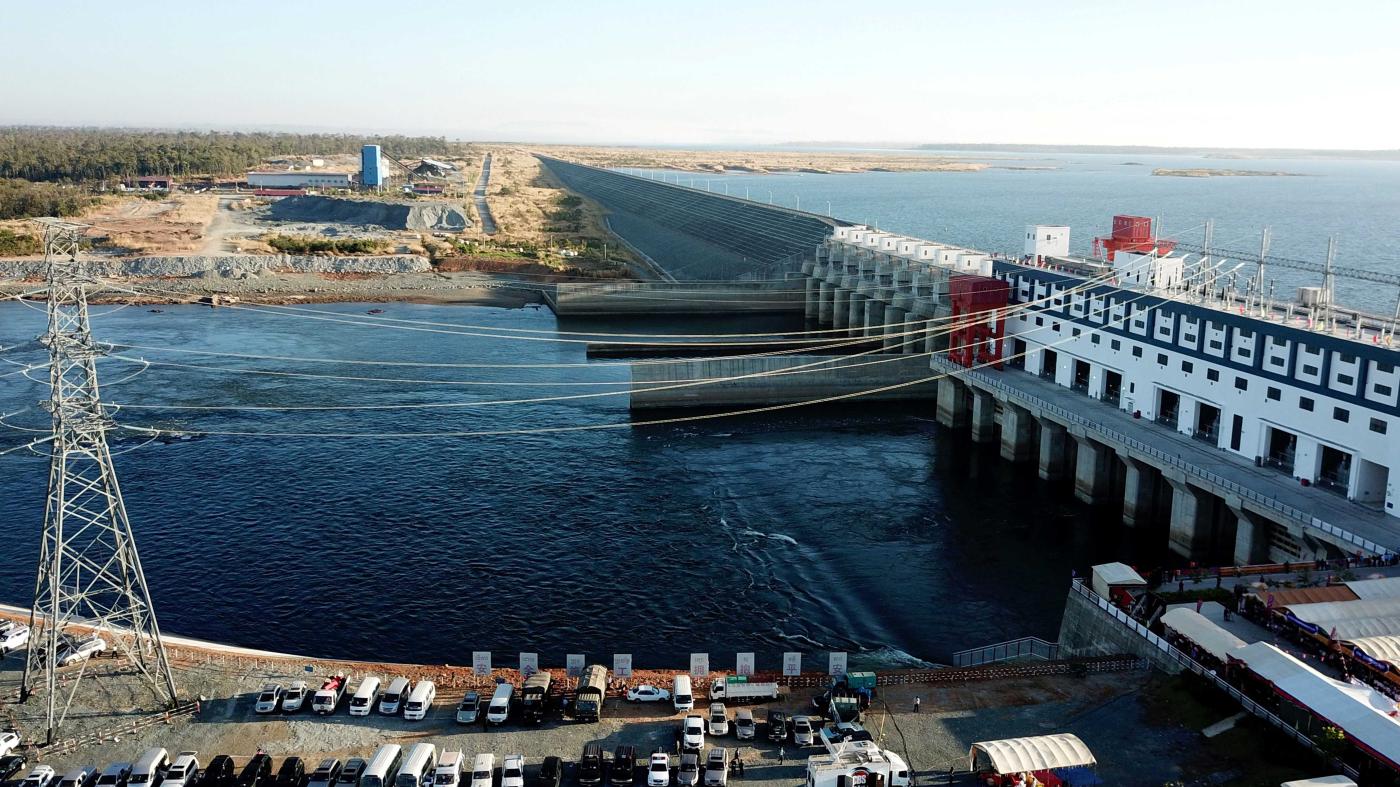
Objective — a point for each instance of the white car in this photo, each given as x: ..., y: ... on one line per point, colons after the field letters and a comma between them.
x: 39, y: 777
x: 9, y: 741
x: 270, y: 699
x: 659, y: 771
x: 513, y: 771
x: 73, y: 651
x: 12, y: 636
x: 744, y: 727
x: 802, y: 732
x: 719, y: 719
x: 183, y: 771
x: 647, y: 693
x: 693, y: 733
x: 449, y: 769
x: 295, y: 697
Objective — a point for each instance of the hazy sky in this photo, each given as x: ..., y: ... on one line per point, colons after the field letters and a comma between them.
x: 1256, y: 74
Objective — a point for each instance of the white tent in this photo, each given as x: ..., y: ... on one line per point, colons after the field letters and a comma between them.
x: 1364, y: 618
x: 1360, y: 712
x: 1322, y: 781
x: 1023, y: 755
x: 1389, y: 587
x: 1201, y: 630
x: 1107, y: 575
x: 1379, y: 648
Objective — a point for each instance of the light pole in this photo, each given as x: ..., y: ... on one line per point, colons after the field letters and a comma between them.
x: 798, y: 197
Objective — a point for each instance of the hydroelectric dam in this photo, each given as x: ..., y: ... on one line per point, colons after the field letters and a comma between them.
x: 1248, y: 430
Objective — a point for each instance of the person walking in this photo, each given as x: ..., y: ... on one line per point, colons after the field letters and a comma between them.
x: 739, y: 759
x: 781, y: 754
x: 916, y: 704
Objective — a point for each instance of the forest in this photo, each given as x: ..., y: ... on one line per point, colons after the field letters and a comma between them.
x: 22, y: 199
x: 77, y: 155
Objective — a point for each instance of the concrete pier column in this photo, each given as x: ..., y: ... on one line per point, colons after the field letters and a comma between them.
x: 954, y: 405
x: 1017, y: 432
x: 1052, y: 450
x: 1251, y: 536
x: 855, y: 312
x: 812, y: 273
x: 840, y: 307
x: 875, y: 317
x: 1138, y: 485
x: 1189, y: 533
x: 984, y: 416
x: 895, y: 341
x: 825, y: 298
x: 1093, y: 473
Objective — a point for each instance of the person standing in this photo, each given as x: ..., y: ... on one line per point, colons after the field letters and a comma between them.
x: 916, y: 704
x: 781, y: 754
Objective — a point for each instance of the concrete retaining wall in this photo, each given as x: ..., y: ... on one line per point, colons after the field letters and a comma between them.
x: 235, y: 266
x: 721, y: 297
x: 781, y: 381
x: 1089, y: 630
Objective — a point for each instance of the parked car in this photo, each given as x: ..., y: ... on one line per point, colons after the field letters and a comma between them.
x: 350, y: 773
x: 184, y: 772
x: 803, y: 733
x: 11, y: 764
x: 114, y: 775
x: 717, y: 767
x: 482, y: 768
x: 12, y: 636
x: 78, y: 649
x: 498, y: 712
x: 292, y: 773
x: 326, y: 773
x: 777, y: 726
x: 744, y: 727
x: 513, y: 771
x: 9, y: 741
x: 693, y: 733
x: 269, y: 699
x: 218, y: 773
x: 551, y: 772
x: 448, y: 772
x: 40, y: 776
x: 294, y: 698
x: 150, y: 768
x: 684, y: 701
x: 392, y: 698
x: 365, y: 695
x: 328, y: 697
x: 688, y: 774
x: 81, y: 776
x: 624, y: 766
x: 659, y: 771
x: 590, y: 765
x: 647, y: 693
x: 719, y: 719
x: 257, y: 773
x: 420, y: 700
x: 469, y: 708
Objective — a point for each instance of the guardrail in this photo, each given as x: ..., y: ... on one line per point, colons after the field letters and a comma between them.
x: 1032, y: 647
x: 1190, y: 664
x: 1302, y: 517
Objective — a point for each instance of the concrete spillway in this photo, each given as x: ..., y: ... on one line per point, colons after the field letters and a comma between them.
x: 761, y: 381
x: 651, y: 298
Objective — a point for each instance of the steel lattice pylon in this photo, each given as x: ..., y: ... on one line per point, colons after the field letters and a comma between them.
x: 89, y: 578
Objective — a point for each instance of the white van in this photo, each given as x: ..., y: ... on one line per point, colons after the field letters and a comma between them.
x: 416, y: 708
x: 382, y: 766
x: 365, y: 696
x: 680, y: 694
x: 150, y: 768
x: 449, y: 769
x: 482, y: 767
x: 419, y: 760
x: 392, y: 698
x: 498, y: 712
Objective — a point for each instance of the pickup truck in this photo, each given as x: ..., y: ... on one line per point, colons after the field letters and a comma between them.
x: 328, y: 697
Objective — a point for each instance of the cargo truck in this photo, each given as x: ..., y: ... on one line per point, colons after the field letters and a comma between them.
x: 592, y: 688
x: 736, y: 688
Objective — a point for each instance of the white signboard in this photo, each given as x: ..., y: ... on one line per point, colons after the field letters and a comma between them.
x: 481, y: 663
x: 622, y: 665
x: 743, y: 664
x: 837, y: 664
x: 792, y: 663
x: 529, y: 664
x: 574, y: 663
x: 699, y: 665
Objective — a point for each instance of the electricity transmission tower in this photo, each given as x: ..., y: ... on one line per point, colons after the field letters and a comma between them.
x: 89, y: 581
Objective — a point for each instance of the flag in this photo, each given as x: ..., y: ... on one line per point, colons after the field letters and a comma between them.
x: 1333, y: 633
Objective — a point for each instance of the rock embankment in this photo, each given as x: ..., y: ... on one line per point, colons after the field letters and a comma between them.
x: 423, y: 216
x: 233, y: 267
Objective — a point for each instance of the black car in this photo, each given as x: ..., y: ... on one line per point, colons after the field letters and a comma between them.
x: 325, y: 774
x: 257, y: 773
x: 590, y: 765
x: 292, y: 773
x: 11, y: 764
x: 551, y: 772
x: 777, y: 726
x: 350, y: 773
x: 624, y: 765
x: 218, y: 773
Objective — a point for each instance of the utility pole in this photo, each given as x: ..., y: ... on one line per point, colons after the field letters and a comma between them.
x: 1327, y: 284
x: 89, y: 579
x: 1209, y: 281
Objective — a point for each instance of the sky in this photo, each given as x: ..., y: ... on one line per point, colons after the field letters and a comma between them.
x: 1229, y: 73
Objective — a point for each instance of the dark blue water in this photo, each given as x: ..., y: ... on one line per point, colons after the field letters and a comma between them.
x: 860, y: 528
x: 1357, y: 201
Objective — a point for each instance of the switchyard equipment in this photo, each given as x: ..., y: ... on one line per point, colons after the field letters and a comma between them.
x: 89, y: 578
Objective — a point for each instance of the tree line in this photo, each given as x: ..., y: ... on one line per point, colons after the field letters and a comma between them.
x: 95, y: 154
x: 21, y: 199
